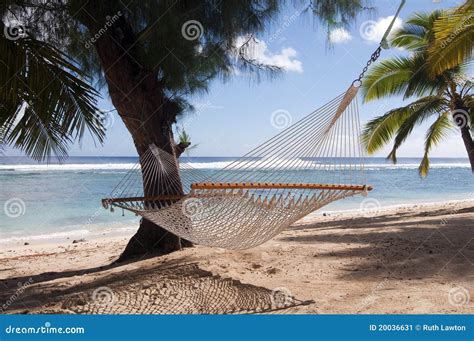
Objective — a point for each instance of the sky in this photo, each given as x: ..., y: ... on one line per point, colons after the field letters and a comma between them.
x: 235, y: 116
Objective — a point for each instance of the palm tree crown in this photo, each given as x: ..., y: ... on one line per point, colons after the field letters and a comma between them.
x: 439, y: 98
x: 454, y: 33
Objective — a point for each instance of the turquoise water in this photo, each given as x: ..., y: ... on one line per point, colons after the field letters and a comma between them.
x: 43, y: 201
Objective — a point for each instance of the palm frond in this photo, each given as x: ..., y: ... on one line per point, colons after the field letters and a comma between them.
x: 387, y: 78
x: 380, y: 131
x: 424, y: 20
x: 406, y: 76
x: 410, y: 37
x: 38, y: 137
x: 436, y: 133
x: 454, y: 39
x: 46, y: 101
x: 399, y: 122
x: 416, y: 34
x: 419, y: 111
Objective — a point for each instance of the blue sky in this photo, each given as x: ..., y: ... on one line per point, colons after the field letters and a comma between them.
x: 236, y: 116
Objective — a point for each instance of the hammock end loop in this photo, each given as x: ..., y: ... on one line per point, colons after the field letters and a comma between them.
x: 105, y: 203
x: 384, y: 44
x: 357, y: 83
x: 366, y: 190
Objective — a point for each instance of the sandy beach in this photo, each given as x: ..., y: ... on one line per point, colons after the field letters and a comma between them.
x: 410, y: 259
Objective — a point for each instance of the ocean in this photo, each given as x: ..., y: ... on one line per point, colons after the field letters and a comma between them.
x: 42, y: 202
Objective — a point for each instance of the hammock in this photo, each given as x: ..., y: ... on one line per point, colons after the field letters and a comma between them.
x: 312, y: 163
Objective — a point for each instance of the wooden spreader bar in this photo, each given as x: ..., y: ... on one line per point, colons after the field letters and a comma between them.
x: 240, y: 185
x: 269, y: 185
x: 106, y: 202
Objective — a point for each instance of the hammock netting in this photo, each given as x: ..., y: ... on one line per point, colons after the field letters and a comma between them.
x: 314, y: 162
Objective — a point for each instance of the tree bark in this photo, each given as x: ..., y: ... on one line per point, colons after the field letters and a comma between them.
x: 461, y: 118
x: 140, y: 101
x: 469, y: 145
x: 180, y: 148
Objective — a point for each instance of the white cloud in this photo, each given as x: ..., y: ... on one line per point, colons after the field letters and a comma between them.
x: 374, y: 30
x: 258, y: 51
x: 339, y: 35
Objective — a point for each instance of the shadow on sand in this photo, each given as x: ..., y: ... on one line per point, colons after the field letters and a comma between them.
x: 175, y: 287
x: 440, y: 244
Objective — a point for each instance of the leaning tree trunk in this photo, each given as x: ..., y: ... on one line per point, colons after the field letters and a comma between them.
x: 461, y: 119
x: 469, y: 144
x: 139, y: 99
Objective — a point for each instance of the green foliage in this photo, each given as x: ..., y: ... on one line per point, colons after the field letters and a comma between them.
x: 410, y: 76
x: 399, y: 123
x: 45, y: 104
x: 185, y: 139
x: 338, y: 13
x: 418, y: 112
x: 155, y: 34
x: 436, y: 133
x: 406, y: 76
x: 454, y: 39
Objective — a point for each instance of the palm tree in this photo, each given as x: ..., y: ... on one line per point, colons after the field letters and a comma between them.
x: 184, y: 140
x: 444, y: 99
x: 454, y: 37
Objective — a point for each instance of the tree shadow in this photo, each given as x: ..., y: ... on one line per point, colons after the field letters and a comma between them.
x: 403, y: 249
x: 382, y: 220
x: 14, y: 282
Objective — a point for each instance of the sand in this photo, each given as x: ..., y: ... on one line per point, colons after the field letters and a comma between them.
x: 414, y: 259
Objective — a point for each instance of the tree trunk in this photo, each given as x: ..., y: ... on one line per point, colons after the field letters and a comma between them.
x: 148, y: 115
x: 469, y: 144
x: 461, y: 119
x: 150, y: 238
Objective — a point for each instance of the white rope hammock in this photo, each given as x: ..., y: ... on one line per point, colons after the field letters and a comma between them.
x: 310, y: 164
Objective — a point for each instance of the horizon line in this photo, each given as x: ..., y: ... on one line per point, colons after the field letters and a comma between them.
x: 223, y: 156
